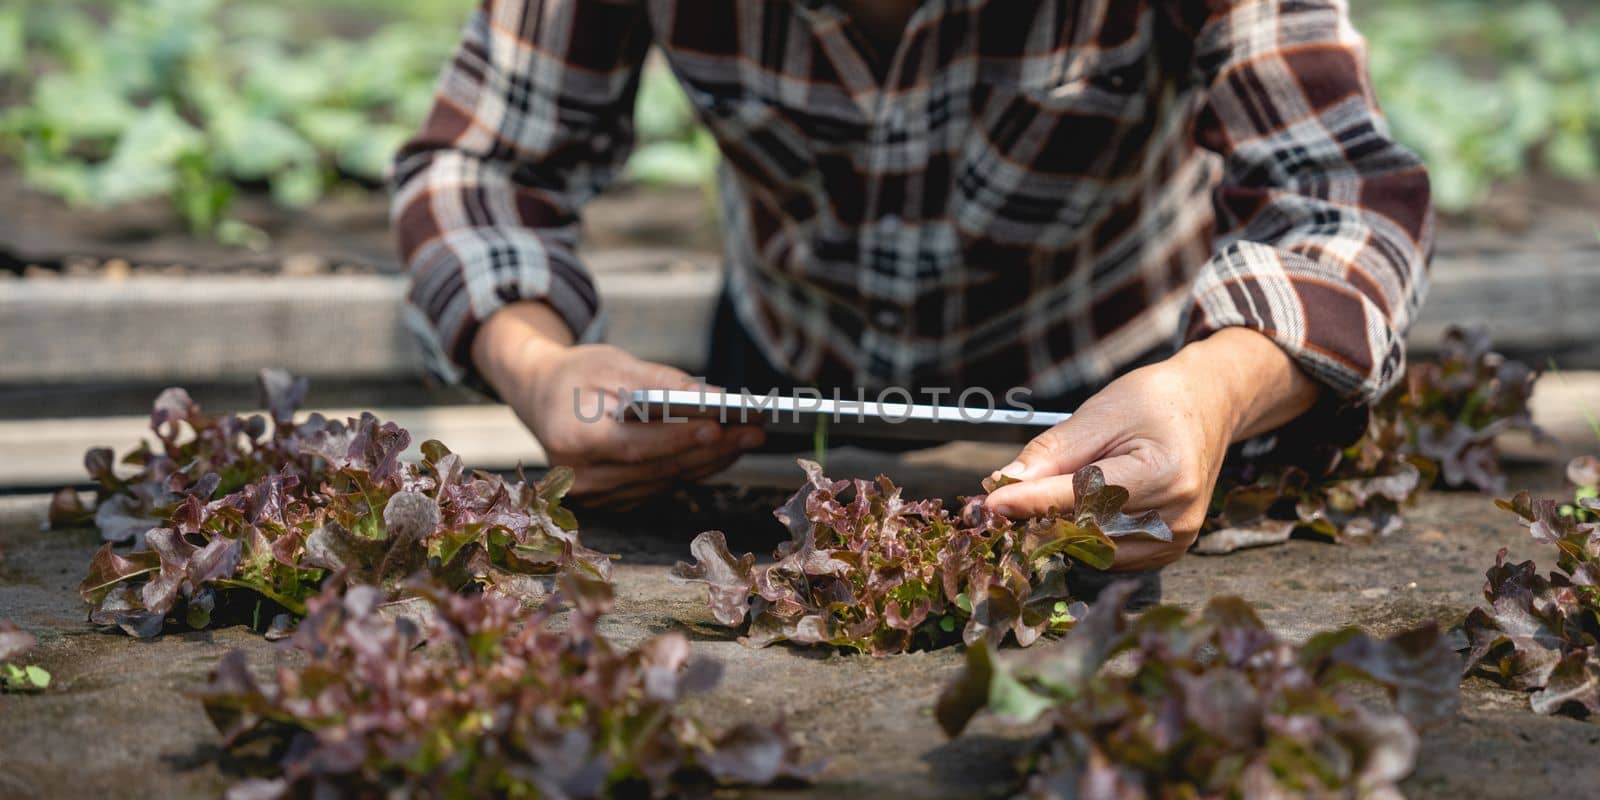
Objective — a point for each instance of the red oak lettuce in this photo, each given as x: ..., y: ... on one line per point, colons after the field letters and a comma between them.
x: 311, y: 503
x: 1542, y: 633
x: 1209, y: 706
x: 1440, y: 424
x: 1456, y: 405
x: 488, y: 700
x: 868, y: 570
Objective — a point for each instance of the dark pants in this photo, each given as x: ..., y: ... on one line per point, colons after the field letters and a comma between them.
x: 736, y: 362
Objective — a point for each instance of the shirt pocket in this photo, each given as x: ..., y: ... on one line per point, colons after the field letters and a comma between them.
x: 1043, y: 152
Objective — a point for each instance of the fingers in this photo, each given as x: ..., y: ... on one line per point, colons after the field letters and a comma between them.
x: 611, y: 373
x: 1061, y: 450
x: 1041, y: 496
x: 692, y: 463
x: 636, y: 484
x: 620, y: 460
x: 1154, y: 483
x: 597, y: 435
x: 1034, y: 498
x: 602, y: 437
x: 644, y: 442
x: 595, y: 479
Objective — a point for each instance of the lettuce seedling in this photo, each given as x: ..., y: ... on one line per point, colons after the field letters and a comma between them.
x: 14, y: 643
x: 868, y: 570
x: 1539, y: 633
x: 1439, y: 425
x: 1361, y: 496
x: 487, y: 700
x: 196, y: 454
x: 1209, y: 705
x: 311, y: 503
x: 1456, y: 406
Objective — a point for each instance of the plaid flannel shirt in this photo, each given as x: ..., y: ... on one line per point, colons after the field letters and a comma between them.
x: 1024, y: 193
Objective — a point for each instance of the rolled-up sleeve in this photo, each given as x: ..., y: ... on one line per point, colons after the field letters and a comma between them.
x: 1324, y: 223
x: 531, y: 118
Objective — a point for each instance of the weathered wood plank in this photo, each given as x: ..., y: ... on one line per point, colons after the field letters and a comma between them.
x: 227, y: 328
x: 49, y: 452
x: 1536, y: 304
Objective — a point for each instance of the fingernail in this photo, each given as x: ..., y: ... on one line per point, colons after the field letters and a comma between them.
x: 750, y: 439
x: 1002, y: 510
x: 708, y: 434
x: 1014, y: 470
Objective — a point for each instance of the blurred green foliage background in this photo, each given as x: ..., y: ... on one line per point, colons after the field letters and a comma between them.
x: 197, y: 100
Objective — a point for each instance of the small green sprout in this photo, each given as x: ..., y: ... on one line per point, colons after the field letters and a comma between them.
x: 30, y: 678
x: 819, y: 440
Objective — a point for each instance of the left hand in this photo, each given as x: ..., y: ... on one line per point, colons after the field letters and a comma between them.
x: 1162, y: 432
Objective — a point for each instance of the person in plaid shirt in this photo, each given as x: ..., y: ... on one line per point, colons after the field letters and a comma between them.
x: 1187, y: 215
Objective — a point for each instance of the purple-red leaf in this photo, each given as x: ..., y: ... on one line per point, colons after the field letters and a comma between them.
x: 1539, y: 632
x: 1209, y: 705
x: 728, y: 580
x: 230, y: 508
x: 1441, y: 421
x: 487, y: 700
x: 281, y: 394
x: 868, y: 570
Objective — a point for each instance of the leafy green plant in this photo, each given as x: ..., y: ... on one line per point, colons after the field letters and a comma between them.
x: 196, y: 100
x: 1362, y: 496
x: 1455, y: 407
x: 1210, y: 705
x: 1486, y: 91
x: 233, y: 515
x: 15, y: 642
x: 489, y: 701
x: 867, y: 570
x: 1540, y: 633
x: 142, y: 107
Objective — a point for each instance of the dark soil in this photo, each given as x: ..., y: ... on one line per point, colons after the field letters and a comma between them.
x: 116, y: 721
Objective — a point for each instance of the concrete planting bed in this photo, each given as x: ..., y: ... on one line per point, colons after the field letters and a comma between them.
x: 116, y: 721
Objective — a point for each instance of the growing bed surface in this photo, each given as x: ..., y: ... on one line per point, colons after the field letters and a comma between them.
x: 115, y: 721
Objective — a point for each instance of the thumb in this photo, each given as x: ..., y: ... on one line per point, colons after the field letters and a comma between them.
x: 1061, y: 450
x: 1055, y: 494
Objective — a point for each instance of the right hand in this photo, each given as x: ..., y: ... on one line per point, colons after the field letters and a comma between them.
x: 618, y: 462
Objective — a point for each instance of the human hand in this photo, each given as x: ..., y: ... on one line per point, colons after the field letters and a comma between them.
x: 567, y: 396
x: 1162, y: 432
